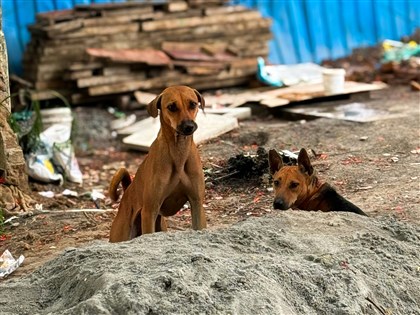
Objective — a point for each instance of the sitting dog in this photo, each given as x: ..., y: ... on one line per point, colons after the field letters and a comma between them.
x: 298, y: 187
x: 170, y: 175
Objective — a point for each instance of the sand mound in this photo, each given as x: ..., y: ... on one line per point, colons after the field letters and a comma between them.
x: 287, y: 263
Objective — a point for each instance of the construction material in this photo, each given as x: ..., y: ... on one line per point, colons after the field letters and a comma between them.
x: 102, y: 51
x: 210, y: 126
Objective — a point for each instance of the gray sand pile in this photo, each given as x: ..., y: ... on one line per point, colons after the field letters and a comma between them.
x: 286, y: 263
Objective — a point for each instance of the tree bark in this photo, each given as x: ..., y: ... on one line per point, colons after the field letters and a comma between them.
x: 13, y: 177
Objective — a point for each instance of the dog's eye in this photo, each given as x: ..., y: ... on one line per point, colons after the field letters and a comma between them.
x: 172, y: 107
x: 276, y: 183
x: 293, y: 185
x: 193, y: 105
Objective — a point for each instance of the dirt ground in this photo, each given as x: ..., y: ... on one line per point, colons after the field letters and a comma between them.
x: 375, y: 165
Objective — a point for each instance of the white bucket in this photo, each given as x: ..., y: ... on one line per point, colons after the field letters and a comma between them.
x: 60, y: 115
x: 333, y: 80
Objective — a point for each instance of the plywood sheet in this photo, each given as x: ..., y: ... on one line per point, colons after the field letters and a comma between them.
x: 305, y: 92
x: 209, y: 126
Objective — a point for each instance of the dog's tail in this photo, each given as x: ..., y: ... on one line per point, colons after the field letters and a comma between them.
x: 121, y: 176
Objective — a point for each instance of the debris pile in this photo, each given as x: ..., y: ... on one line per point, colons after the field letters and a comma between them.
x: 241, y: 167
x: 101, y: 50
x: 380, y: 63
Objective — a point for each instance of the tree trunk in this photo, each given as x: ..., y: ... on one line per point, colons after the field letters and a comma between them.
x: 13, y: 177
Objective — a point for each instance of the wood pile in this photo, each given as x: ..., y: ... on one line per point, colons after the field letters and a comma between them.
x: 104, y: 51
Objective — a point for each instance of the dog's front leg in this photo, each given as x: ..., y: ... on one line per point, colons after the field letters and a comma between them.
x: 149, y: 214
x: 196, y: 199
x: 197, y: 214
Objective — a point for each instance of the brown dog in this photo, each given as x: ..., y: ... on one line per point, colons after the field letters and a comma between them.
x: 170, y: 175
x: 298, y: 187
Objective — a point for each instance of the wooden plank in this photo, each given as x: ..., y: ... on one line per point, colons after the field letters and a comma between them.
x: 100, y: 7
x: 203, y: 71
x: 104, y: 80
x: 51, y: 17
x: 150, y: 26
x: 79, y: 74
x: 173, y: 45
x: 148, y: 56
x: 114, y: 20
x: 85, y: 66
x: 216, y: 65
x: 101, y: 30
x: 57, y: 28
x: 176, y: 6
x: 224, y: 10
x: 51, y: 85
x: 206, y: 3
x: 81, y: 98
x: 113, y: 70
x: 223, y: 83
x: 240, y: 113
x: 42, y: 95
x: 158, y: 82
x: 142, y: 13
x: 305, y: 92
x: 144, y: 98
x: 188, y: 55
x: 177, y: 15
x: 209, y: 126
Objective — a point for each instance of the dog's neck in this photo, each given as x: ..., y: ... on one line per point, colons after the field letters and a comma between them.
x: 179, y: 146
x: 314, y: 186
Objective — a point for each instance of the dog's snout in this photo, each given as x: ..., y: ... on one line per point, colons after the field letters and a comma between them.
x: 279, y: 204
x: 187, y: 127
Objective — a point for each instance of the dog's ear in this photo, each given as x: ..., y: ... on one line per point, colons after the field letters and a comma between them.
x: 304, y: 162
x: 200, y: 99
x: 153, y: 106
x: 275, y: 161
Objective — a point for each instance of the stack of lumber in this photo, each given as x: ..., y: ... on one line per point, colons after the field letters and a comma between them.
x: 109, y: 50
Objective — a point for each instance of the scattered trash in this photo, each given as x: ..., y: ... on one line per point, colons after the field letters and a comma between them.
x: 364, y: 138
x: 56, y: 116
x: 70, y: 193
x: 48, y: 194
x: 393, y: 62
x: 63, y: 155
x: 280, y: 75
x: 394, y: 159
x: 40, y: 167
x: 9, y: 220
x: 54, y: 156
x: 288, y: 157
x: 398, y: 51
x: 364, y: 188
x: 123, y: 122
x: 8, y: 264
x: 416, y: 151
x: 96, y: 194
x: 333, y: 81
